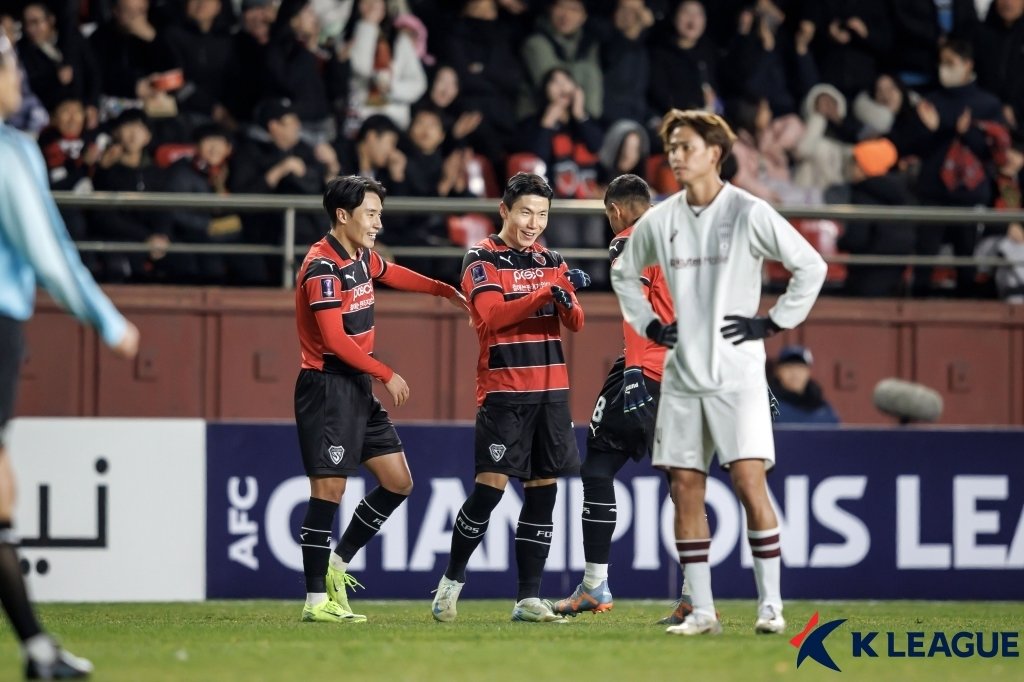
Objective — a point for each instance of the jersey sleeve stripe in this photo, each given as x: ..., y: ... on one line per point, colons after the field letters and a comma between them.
x: 325, y: 305
x: 482, y: 288
x: 533, y: 354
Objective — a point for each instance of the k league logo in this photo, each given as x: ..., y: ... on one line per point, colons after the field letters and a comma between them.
x: 811, y: 642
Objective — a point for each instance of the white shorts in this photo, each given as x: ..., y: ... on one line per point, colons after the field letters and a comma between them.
x: 691, y: 429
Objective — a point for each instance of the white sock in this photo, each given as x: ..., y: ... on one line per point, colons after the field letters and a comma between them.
x: 697, y: 576
x: 765, y: 547
x: 41, y: 649
x: 594, y: 575
x: 338, y: 563
x: 315, y: 598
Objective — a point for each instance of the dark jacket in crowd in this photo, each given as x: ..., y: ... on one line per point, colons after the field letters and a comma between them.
x: 916, y: 33
x: 203, y: 58
x: 42, y: 68
x: 125, y: 59
x: 627, y: 71
x: 312, y: 82
x: 853, y: 66
x: 999, y: 61
x: 878, y: 237
x: 245, y: 80
x: 809, y: 407
x: 758, y: 74
x: 678, y: 75
x: 570, y: 151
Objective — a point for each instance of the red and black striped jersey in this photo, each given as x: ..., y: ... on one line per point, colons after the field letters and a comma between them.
x: 334, y: 306
x: 517, y: 322
x: 641, y: 351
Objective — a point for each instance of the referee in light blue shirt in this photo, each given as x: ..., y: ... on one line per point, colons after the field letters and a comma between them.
x: 35, y: 244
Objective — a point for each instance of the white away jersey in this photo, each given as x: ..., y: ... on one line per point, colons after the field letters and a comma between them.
x: 712, y: 262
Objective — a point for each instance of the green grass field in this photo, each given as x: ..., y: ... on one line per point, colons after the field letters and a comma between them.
x: 264, y: 641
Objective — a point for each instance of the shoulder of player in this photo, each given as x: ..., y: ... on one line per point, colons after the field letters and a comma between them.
x: 483, y: 250
x: 319, y: 265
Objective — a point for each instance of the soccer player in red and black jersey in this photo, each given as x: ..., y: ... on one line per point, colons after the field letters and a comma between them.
x: 622, y: 426
x: 520, y: 295
x: 341, y: 424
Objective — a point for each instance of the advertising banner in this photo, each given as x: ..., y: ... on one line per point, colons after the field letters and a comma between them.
x: 111, y: 509
x: 880, y: 514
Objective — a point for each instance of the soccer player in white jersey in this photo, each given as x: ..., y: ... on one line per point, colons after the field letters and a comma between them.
x: 711, y: 239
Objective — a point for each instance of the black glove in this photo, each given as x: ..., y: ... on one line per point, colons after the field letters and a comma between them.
x: 562, y: 297
x: 749, y: 328
x: 577, y: 278
x: 663, y: 334
x: 636, y: 400
x: 773, y: 405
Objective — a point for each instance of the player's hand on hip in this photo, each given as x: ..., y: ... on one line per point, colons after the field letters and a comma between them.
x: 748, y: 328
x: 128, y: 346
x: 398, y: 389
x: 561, y: 297
x: 663, y: 334
x: 577, y: 279
x: 636, y: 399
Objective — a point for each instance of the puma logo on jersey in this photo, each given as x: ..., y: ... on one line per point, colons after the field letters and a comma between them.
x: 351, y: 277
x: 506, y: 259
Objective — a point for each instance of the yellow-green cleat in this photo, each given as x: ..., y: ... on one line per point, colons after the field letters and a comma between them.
x: 329, y: 611
x: 338, y: 584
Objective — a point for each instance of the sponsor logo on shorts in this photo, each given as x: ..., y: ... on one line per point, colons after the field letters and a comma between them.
x: 497, y: 451
x: 327, y: 287
x: 479, y: 274
x: 337, y: 453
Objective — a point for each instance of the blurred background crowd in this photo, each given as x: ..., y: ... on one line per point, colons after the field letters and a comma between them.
x: 874, y: 102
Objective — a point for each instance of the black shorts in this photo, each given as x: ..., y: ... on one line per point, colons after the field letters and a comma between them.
x: 526, y: 441
x: 12, y: 347
x: 341, y: 424
x: 611, y: 429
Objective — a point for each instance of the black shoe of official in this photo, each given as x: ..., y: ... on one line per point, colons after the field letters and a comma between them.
x: 67, y: 666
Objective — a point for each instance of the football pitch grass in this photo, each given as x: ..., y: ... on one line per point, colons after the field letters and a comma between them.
x: 255, y: 641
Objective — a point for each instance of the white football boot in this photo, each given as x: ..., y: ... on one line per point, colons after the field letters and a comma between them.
x: 696, y: 623
x: 445, y: 598
x: 535, y: 610
x: 769, y: 620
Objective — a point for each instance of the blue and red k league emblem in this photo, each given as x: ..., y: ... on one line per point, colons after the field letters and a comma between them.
x: 811, y: 642
x: 327, y: 287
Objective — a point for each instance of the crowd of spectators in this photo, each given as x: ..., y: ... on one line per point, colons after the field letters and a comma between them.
x: 877, y: 102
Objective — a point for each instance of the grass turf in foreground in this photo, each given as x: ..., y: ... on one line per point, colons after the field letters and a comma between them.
x: 254, y: 641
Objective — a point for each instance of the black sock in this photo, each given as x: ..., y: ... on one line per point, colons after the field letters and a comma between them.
x: 369, y: 516
x: 599, y: 516
x: 13, y: 594
x: 315, y: 538
x: 470, y: 526
x: 533, y: 538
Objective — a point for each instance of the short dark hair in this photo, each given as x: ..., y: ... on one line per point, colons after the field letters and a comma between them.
x: 627, y: 189
x: 347, y: 192
x: 711, y: 128
x: 523, y: 184
x: 958, y: 46
x: 378, y: 123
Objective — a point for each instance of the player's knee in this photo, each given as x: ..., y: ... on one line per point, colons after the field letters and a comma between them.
x: 400, y: 487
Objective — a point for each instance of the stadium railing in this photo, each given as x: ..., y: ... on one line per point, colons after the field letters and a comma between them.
x: 289, y: 206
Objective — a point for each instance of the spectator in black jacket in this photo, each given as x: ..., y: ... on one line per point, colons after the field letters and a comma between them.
x: 245, y: 81
x: 626, y: 63
x: 919, y: 26
x: 129, y: 52
x: 852, y: 37
x: 874, y: 181
x: 60, y: 65
x: 275, y: 160
x: 202, y: 48
x: 999, y: 58
x: 206, y: 172
x: 126, y: 166
x: 756, y: 64
x: 684, y: 64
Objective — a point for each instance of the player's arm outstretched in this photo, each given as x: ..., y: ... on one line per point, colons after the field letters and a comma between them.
x: 330, y: 320
x: 33, y: 226
x: 627, y: 270
x: 404, y: 279
x: 773, y: 237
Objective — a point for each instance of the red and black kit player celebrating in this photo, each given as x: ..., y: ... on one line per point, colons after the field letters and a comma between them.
x: 622, y: 425
x: 520, y: 295
x: 341, y: 424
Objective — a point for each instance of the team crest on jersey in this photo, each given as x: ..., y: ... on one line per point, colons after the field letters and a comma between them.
x: 337, y: 453
x: 327, y: 287
x: 478, y: 273
x: 540, y: 259
x: 497, y: 451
